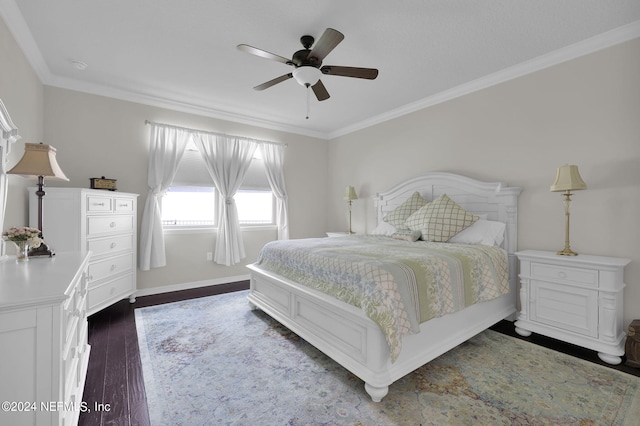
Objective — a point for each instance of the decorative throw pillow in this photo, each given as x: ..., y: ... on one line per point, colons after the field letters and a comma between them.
x: 400, y: 214
x: 407, y: 235
x: 440, y: 220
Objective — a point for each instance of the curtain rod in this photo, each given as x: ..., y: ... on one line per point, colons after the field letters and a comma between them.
x: 147, y: 122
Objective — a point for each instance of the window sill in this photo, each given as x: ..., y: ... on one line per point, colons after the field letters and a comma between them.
x: 214, y: 230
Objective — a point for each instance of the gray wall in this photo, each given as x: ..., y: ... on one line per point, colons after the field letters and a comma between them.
x: 585, y: 112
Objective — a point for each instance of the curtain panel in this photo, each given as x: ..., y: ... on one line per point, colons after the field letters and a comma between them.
x: 273, y: 156
x: 166, y: 148
x: 228, y: 160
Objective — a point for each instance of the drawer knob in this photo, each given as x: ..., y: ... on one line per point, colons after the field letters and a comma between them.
x: 113, y: 267
x: 100, y: 204
x: 113, y: 245
x: 562, y: 274
x: 112, y: 224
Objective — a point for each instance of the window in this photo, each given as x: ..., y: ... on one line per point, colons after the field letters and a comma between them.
x: 255, y: 207
x: 192, y: 200
x: 189, y: 206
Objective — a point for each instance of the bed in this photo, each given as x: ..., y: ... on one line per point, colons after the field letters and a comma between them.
x: 350, y: 337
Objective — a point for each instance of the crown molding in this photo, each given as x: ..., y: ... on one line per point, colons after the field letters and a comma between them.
x: 155, y: 101
x: 582, y: 48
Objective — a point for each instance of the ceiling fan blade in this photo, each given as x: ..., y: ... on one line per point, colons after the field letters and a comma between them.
x: 263, y: 54
x: 274, y: 81
x: 368, y: 73
x: 320, y: 91
x: 327, y: 42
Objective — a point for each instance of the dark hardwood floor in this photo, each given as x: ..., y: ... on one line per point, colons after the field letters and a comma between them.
x: 114, y: 376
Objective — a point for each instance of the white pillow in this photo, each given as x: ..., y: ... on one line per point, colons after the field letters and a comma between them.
x: 384, y: 228
x: 485, y: 232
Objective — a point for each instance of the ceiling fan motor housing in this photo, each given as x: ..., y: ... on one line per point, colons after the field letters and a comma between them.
x: 301, y: 58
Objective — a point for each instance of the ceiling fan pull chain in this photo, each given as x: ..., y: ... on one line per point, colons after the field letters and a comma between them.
x: 308, y: 99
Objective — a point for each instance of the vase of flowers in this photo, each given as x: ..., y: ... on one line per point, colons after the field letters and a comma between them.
x: 24, y: 238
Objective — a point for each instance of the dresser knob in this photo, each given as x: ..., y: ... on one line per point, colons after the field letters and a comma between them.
x: 562, y: 274
x: 113, y: 267
x: 113, y: 245
x: 112, y: 224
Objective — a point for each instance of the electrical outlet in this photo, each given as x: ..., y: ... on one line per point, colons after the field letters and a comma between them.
x: 209, y: 255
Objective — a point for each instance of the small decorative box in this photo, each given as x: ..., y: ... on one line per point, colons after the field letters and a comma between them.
x: 103, y: 183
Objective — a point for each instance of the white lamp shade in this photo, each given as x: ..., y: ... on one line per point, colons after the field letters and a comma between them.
x: 350, y: 193
x: 568, y: 179
x: 38, y: 160
x: 307, y: 75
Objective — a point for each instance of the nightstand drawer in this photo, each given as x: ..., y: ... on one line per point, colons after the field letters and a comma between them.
x: 565, y: 307
x: 565, y: 274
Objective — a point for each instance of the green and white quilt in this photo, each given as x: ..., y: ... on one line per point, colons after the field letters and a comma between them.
x: 398, y: 284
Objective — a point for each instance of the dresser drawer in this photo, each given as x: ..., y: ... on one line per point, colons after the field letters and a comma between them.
x: 70, y: 361
x: 123, y: 205
x: 97, y: 225
x: 110, y: 292
x: 98, y: 204
x: 110, y: 245
x: 70, y: 313
x: 565, y: 274
x: 111, y: 266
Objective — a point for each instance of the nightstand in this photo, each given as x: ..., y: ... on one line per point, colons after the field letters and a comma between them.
x: 577, y: 299
x: 338, y: 234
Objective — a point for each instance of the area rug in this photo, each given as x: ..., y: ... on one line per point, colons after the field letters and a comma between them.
x: 213, y: 361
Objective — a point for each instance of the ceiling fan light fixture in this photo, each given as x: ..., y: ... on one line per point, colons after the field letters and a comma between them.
x: 307, y: 75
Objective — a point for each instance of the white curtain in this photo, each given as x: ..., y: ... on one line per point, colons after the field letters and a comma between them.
x: 273, y: 156
x: 166, y: 148
x: 227, y: 159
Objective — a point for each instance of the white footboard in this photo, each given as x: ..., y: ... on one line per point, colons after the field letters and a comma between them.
x: 345, y: 334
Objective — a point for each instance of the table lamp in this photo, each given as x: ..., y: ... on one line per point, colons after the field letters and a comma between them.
x: 349, y: 196
x: 39, y: 161
x: 567, y: 179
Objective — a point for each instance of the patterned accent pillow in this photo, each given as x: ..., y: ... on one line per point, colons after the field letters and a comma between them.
x: 440, y: 220
x: 407, y: 235
x: 400, y: 214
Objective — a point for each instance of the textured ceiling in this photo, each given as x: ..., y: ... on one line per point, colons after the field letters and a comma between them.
x: 182, y: 54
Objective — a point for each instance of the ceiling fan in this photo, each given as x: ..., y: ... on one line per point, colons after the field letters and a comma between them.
x: 308, y: 63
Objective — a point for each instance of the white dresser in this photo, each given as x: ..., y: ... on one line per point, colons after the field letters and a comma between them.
x: 577, y: 299
x: 103, y: 222
x: 43, y: 339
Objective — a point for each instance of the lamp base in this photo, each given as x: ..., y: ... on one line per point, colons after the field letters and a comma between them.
x: 42, y: 250
x: 567, y: 252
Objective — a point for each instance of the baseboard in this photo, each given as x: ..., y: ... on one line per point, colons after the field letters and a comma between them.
x: 188, y: 286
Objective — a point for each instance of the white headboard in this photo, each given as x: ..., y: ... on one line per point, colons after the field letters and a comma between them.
x: 494, y: 199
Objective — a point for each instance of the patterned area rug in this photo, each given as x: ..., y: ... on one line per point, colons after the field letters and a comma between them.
x: 213, y: 361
